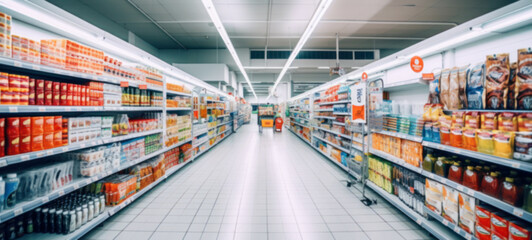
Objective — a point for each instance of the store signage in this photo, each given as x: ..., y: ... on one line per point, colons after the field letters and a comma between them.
x: 364, y: 76
x: 358, y: 103
x: 427, y: 76
x: 124, y: 84
x: 143, y: 86
x: 416, y: 63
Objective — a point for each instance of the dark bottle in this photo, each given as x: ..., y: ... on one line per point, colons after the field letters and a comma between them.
x: 11, y: 232
x: 20, y: 227
x: 29, y: 223
x: 59, y: 221
x: 44, y: 222
x: 3, y: 232
x: 51, y: 221
x: 37, y: 220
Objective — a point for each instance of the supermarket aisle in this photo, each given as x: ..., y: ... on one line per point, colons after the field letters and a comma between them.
x: 252, y: 186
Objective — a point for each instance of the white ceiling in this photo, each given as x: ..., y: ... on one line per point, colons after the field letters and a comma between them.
x: 247, y: 21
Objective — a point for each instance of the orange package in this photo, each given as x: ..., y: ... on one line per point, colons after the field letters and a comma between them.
x: 37, y: 143
x: 49, y: 122
x: 488, y: 121
x: 457, y: 137
x: 524, y: 122
x: 470, y: 141
x: 58, y: 123
x: 445, y: 129
x: 25, y: 126
x: 48, y: 140
x: 37, y: 126
x: 58, y: 139
x: 25, y: 144
x: 507, y: 122
x: 472, y: 120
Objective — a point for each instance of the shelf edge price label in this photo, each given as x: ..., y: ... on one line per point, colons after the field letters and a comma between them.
x: 25, y: 157
x: 13, y: 109
x: 36, y: 67
x: 61, y: 193
x: 17, y: 64
x: 3, y: 163
x: 457, y: 229
x: 124, y: 84
x: 17, y: 211
x: 143, y: 86
x: 42, y: 109
x: 45, y: 199
x: 518, y: 212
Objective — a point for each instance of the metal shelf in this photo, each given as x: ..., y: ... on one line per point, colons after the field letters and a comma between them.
x: 324, y: 117
x: 214, y: 101
x: 9, y: 160
x: 179, y: 109
x: 337, y: 102
x: 45, y: 109
x: 207, y: 149
x: 448, y: 224
x: 200, y: 143
x: 395, y: 160
x: 436, y: 229
x: 323, y: 110
x: 342, y: 113
x: 524, y: 166
x: 178, y: 144
x: 225, y: 115
x: 302, y: 138
x: 338, y: 123
x: 400, y: 135
x: 170, y: 92
x: 333, y: 144
x: 302, y: 125
x: 132, y: 108
x: 336, y: 133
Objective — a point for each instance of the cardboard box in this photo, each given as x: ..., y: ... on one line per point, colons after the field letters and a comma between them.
x: 434, y: 196
x: 520, y: 230
x: 483, y: 216
x: 482, y: 233
x: 500, y: 224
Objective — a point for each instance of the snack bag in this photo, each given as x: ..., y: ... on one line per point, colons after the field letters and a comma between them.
x: 503, y: 144
x: 453, y: 99
x: 436, y: 132
x: 523, y: 84
x: 485, y: 141
x: 524, y: 122
x: 472, y: 120
x: 475, y: 86
x: 445, y: 129
x: 523, y: 146
x: 434, y: 89
x: 497, y: 74
x: 507, y: 122
x: 445, y: 87
x: 462, y: 86
x: 488, y: 121
x: 457, y: 137
x: 427, y: 108
x: 470, y: 141
x: 436, y: 111
x: 510, y: 100
x: 458, y: 119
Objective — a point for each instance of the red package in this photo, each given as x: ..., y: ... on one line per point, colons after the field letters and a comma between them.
x: 2, y: 146
x: 64, y: 94
x: 75, y: 97
x: 48, y: 98
x: 2, y: 126
x: 500, y: 223
x: 56, y: 98
x: 25, y: 144
x: 13, y: 126
x: 48, y: 85
x: 496, y: 236
x: 483, y: 215
x: 58, y: 123
x: 70, y: 94
x: 520, y: 230
x: 56, y: 87
x: 36, y: 143
x: 39, y: 85
x: 58, y: 139
x: 15, y: 98
x: 48, y: 140
x: 37, y: 125
x: 39, y: 97
x: 49, y: 123
x: 24, y: 98
x: 6, y: 97
x: 31, y: 84
x: 14, y: 83
x: 482, y: 233
x: 31, y: 97
x: 4, y: 81
x: 13, y: 145
x: 25, y: 126
x: 24, y: 84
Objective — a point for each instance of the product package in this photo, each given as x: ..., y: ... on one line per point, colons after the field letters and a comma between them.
x: 510, y: 100
x: 466, y: 212
x: 497, y: 75
x: 485, y: 143
x: 445, y: 87
x: 450, y: 204
x: 503, y: 144
x: 434, y: 89
x: 462, y: 87
x: 523, y: 84
x: 434, y: 196
x: 454, y: 90
x: 475, y: 86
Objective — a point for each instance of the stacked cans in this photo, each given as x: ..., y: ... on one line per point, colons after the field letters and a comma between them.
x: 5, y: 35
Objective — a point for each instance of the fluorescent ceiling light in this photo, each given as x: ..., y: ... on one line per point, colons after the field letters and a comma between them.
x: 324, y: 68
x: 267, y: 68
x: 209, y: 6
x: 516, y: 17
x: 355, y: 67
x: 316, y: 17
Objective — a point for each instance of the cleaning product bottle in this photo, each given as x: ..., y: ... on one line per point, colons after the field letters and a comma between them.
x: 11, y: 189
x: 2, y: 194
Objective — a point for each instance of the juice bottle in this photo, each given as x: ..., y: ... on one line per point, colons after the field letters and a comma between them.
x: 12, y: 182
x: 428, y: 162
x: 490, y: 184
x: 455, y: 173
x: 511, y: 193
x: 471, y: 178
x: 527, y: 201
x: 440, y: 167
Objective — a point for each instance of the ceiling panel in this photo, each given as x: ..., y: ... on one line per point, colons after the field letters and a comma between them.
x: 185, y: 10
x: 152, y: 34
x: 293, y: 10
x: 107, y: 8
x: 246, y: 28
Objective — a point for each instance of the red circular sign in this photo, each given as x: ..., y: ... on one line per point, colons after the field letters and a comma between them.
x: 416, y: 63
x: 364, y: 76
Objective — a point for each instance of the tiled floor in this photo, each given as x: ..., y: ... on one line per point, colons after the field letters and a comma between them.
x: 252, y: 186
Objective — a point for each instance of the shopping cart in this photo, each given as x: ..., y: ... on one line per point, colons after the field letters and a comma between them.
x: 266, y: 117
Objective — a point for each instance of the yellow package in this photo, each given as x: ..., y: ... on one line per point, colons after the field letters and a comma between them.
x: 488, y: 121
x: 503, y: 144
x: 485, y: 141
x: 427, y: 109
x: 435, y: 112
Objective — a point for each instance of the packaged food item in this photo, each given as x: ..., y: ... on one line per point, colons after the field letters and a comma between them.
x: 475, y: 86
x: 37, y: 125
x: 485, y: 143
x: 462, y: 87
x: 483, y: 233
x: 497, y: 74
x: 488, y: 121
x: 445, y: 129
x: 48, y: 140
x: 427, y: 108
x: 483, y: 216
x: 434, y: 196
x: 436, y: 132
x: 13, y: 147
x: 510, y: 100
x: 434, y: 89
x: 471, y: 178
x: 500, y: 223
x: 37, y: 142
x: 450, y: 204
x: 524, y: 122
x: 523, y: 146
x: 457, y: 137
x: 523, y: 84
x: 13, y: 126
x: 507, y: 121
x: 491, y: 185
x: 445, y: 87
x: 25, y: 144
x: 466, y: 208
x: 456, y: 173
x: 49, y: 122
x: 470, y: 139
x: 435, y: 112
x: 511, y: 193
x: 458, y: 119
x: 454, y: 86
x: 503, y: 144
x: 472, y: 120
x: 520, y: 230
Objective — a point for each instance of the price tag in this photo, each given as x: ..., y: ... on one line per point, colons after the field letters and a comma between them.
x: 460, y: 188
x: 76, y: 186
x: 40, y: 154
x: 45, y: 200
x: 518, y: 212
x: 61, y: 193
x: 41, y: 109
x: 17, y: 211
x: 36, y: 67
x: 94, y: 77
x: 57, y: 71
x: 13, y: 109
x: 124, y: 84
x: 82, y: 145
x: 445, y: 222
x: 457, y: 151
x: 516, y: 165
x: 3, y: 163
x: 468, y: 236
x: 17, y: 64
x: 79, y: 109
x: 94, y: 179
x: 50, y: 152
x: 471, y: 192
x: 68, y: 109
x: 25, y: 157
x: 457, y: 229
x: 65, y: 149
x: 444, y: 181
x: 143, y: 86
x: 418, y: 221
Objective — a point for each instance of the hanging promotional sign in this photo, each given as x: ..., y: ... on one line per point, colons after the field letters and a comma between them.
x: 364, y: 76
x: 358, y: 103
x: 416, y: 63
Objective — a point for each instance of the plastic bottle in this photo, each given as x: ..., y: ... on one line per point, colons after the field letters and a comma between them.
x: 527, y: 201
x: 490, y: 184
x: 2, y: 194
x: 428, y: 162
x: 73, y: 224
x: 511, y: 193
x: 11, y: 189
x: 455, y: 173
x: 471, y: 178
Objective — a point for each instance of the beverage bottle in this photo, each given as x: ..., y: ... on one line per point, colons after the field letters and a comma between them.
x: 11, y: 189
